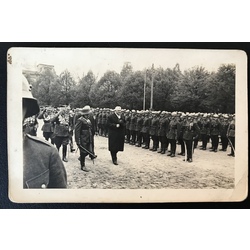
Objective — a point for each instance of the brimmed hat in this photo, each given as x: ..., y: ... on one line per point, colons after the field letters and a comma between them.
x: 85, y: 110
x: 118, y: 108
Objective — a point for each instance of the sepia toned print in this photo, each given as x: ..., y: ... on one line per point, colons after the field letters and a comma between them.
x: 127, y: 125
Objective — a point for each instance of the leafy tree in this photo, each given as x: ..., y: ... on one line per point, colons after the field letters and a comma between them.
x: 41, y: 88
x: 83, y: 90
x: 67, y: 85
x: 104, y: 93
x: 165, y: 82
x: 224, y: 91
x: 190, y: 91
x: 131, y: 93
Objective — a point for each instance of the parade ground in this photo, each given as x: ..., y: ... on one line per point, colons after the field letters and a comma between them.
x: 143, y: 169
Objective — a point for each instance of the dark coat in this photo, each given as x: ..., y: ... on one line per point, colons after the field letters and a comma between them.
x: 172, y: 130
x: 42, y: 165
x: 83, y: 133
x: 116, y: 134
x: 154, y: 126
x: 191, y: 131
x: 146, y: 125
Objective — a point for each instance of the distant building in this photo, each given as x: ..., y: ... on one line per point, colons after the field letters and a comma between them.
x: 32, y: 75
x: 42, y: 67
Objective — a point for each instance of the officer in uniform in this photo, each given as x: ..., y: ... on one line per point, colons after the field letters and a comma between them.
x: 83, y: 137
x: 138, y: 128
x: 145, y: 129
x: 204, y: 125
x: 223, y: 132
x: 231, y: 136
x: 162, y: 132
x: 153, y: 131
x: 127, y: 121
x: 172, y: 134
x: 132, y: 127
x: 48, y: 127
x: 180, y: 126
x: 61, y: 131
x: 190, y: 134
x: 42, y: 166
x: 71, y: 129
x: 215, y: 128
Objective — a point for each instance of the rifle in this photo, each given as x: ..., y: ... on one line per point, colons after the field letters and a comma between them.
x: 87, y: 151
x: 231, y: 144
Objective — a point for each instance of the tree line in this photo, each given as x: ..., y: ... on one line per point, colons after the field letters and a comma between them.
x: 194, y: 90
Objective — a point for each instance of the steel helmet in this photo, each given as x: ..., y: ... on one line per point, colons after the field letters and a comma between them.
x: 28, y: 100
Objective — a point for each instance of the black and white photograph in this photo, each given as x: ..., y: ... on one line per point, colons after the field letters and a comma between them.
x: 127, y: 125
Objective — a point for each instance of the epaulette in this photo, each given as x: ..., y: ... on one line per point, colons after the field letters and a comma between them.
x: 35, y: 138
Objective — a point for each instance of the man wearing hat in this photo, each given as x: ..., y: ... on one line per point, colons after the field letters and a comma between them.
x: 204, y: 125
x: 172, y: 134
x: 132, y: 126
x: 223, y: 133
x: 190, y: 133
x: 83, y: 137
x: 145, y: 129
x: 61, y: 131
x: 116, y: 134
x: 215, y: 129
x: 231, y: 136
x: 42, y: 166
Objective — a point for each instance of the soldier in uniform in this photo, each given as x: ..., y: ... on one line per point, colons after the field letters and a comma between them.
x: 71, y: 129
x: 138, y: 128
x: 204, y: 125
x: 180, y: 127
x: 162, y: 132
x: 231, y: 136
x: 61, y: 130
x: 93, y: 130
x: 215, y: 128
x: 190, y: 134
x: 42, y: 166
x: 223, y: 132
x: 116, y: 135
x: 172, y: 134
x: 132, y: 127
x: 127, y: 121
x: 48, y: 127
x: 84, y: 137
x: 145, y: 129
x: 153, y: 130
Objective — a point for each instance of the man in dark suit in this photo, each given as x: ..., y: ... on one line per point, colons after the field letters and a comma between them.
x: 116, y: 135
x: 42, y: 165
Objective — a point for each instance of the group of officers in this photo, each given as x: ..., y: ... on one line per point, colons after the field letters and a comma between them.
x: 166, y: 130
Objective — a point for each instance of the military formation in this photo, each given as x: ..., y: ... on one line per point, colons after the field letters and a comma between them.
x: 164, y: 132
x: 158, y: 131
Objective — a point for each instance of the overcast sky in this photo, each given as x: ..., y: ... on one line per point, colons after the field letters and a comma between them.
x: 99, y: 60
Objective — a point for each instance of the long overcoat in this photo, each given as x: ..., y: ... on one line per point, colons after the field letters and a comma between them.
x: 116, y: 134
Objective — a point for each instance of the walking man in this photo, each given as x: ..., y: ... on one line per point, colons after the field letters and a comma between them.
x: 116, y: 135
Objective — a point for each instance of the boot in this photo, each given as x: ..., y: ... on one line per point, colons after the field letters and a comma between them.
x: 64, y: 153
x: 160, y: 151
x: 163, y: 151
x: 83, y: 167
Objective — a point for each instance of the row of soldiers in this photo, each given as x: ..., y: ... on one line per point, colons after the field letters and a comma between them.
x: 163, y: 129
x: 172, y: 128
